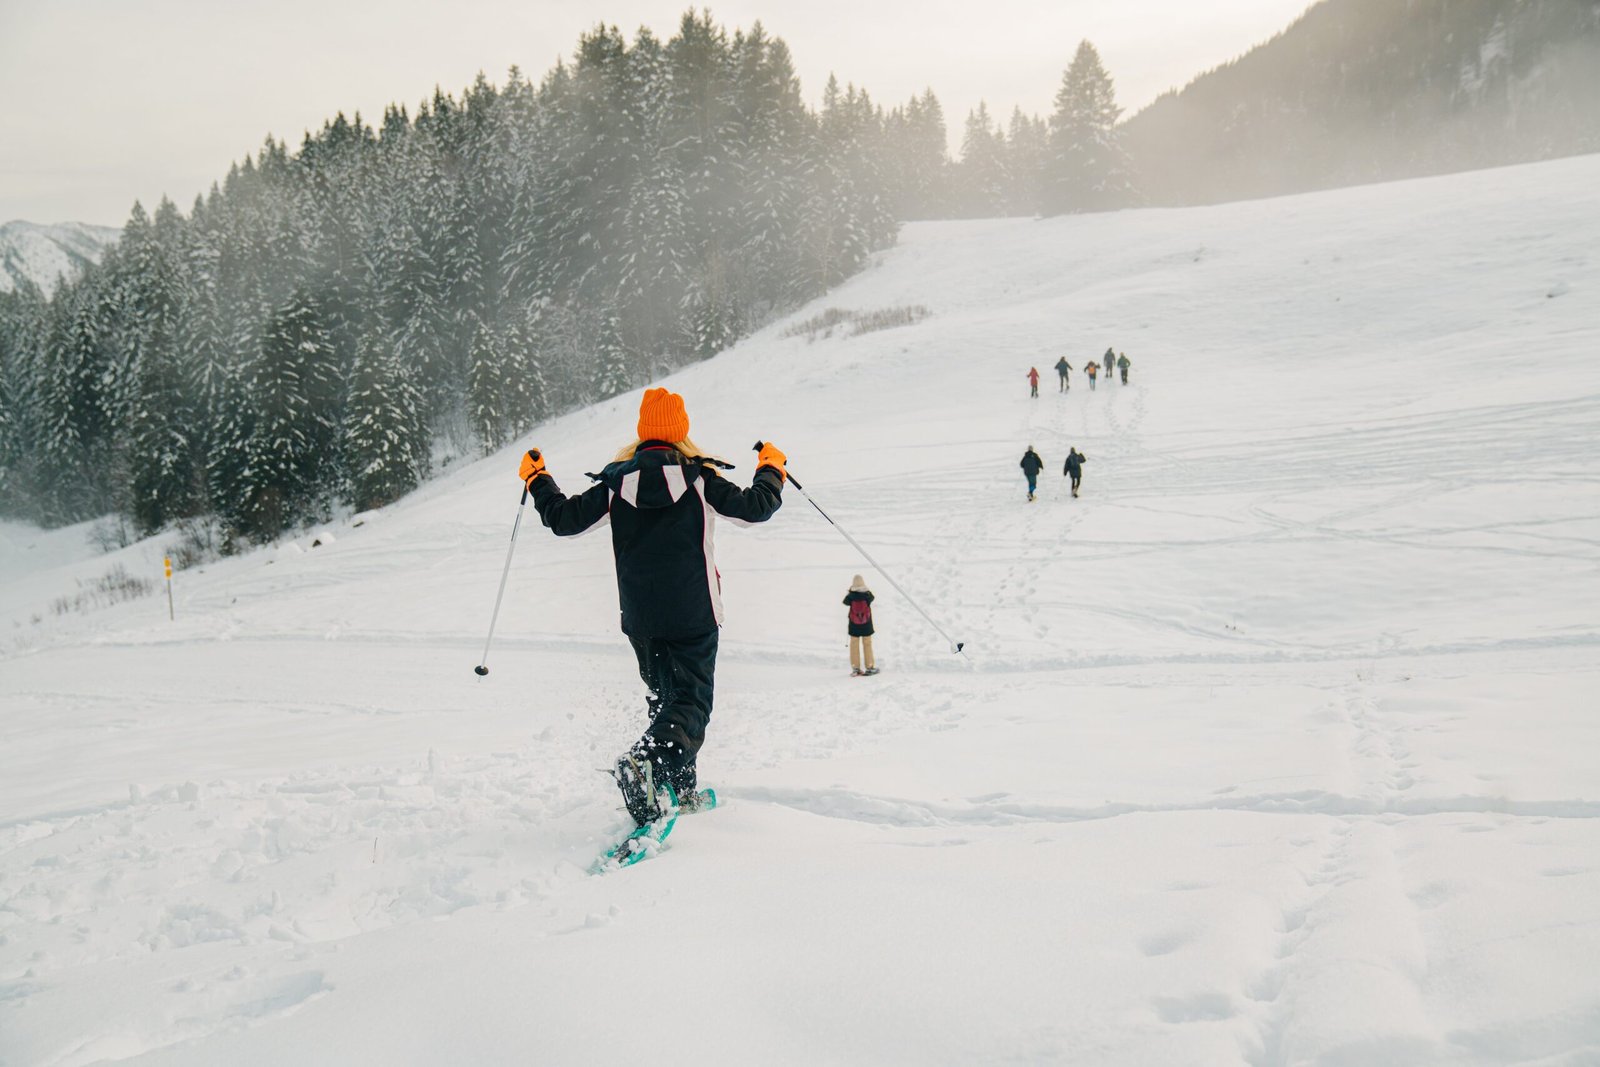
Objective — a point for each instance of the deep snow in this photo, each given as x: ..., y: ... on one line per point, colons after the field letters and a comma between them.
x: 1276, y: 747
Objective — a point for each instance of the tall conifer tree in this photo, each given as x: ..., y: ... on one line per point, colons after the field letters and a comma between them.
x: 385, y: 444
x: 1087, y: 169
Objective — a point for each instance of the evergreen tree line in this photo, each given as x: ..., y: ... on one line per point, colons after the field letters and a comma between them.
x: 1072, y: 161
x: 322, y: 324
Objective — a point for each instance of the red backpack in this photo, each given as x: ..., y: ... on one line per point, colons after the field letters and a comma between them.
x: 860, y: 612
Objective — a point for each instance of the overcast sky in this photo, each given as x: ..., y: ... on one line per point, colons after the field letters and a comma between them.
x: 108, y: 101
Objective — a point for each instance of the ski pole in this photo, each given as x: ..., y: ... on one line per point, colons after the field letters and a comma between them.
x: 955, y: 646
x: 483, y: 665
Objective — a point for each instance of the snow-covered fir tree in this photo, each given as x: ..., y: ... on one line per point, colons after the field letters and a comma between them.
x: 525, y: 392
x: 22, y: 326
x: 983, y: 180
x: 921, y: 174
x: 613, y: 363
x: 163, y: 483
x: 385, y: 446
x: 76, y: 439
x: 291, y: 392
x: 1086, y: 170
x: 489, y: 396
x: 1027, y: 156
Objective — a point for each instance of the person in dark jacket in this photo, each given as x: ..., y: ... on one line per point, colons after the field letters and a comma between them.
x: 859, y: 601
x: 1123, y: 363
x: 661, y: 496
x: 1063, y: 368
x: 1031, y: 466
x: 1074, y: 468
x: 1108, y: 364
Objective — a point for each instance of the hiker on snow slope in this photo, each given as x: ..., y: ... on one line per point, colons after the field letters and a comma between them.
x: 661, y: 495
x: 1031, y: 466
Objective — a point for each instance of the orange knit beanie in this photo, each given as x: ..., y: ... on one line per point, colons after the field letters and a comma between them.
x: 661, y: 417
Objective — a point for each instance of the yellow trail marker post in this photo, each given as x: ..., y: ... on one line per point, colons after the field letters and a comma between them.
x: 167, y: 561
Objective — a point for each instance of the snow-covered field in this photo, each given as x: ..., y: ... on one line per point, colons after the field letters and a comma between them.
x: 1280, y: 746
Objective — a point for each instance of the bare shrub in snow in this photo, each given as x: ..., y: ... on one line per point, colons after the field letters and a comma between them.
x: 858, y: 322
x: 887, y: 319
x: 197, y: 543
x: 822, y: 324
x: 112, y: 587
x: 111, y: 533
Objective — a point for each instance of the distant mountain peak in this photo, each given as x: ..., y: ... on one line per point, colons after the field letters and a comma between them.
x: 44, y: 255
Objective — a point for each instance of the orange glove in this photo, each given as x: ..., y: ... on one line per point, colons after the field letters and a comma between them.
x: 770, y: 456
x: 532, y: 466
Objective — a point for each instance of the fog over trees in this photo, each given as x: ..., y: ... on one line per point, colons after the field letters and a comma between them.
x: 1373, y: 90
x: 317, y: 328
x: 327, y: 325
x: 327, y: 321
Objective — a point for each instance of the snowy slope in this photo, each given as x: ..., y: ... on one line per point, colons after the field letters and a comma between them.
x: 1277, y: 747
x: 44, y: 255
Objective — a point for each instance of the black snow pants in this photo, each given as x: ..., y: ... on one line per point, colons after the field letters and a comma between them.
x: 680, y: 674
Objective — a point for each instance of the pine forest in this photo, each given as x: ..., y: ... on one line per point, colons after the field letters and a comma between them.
x: 327, y: 325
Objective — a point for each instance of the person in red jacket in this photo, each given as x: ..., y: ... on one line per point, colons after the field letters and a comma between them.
x: 859, y: 601
x: 1033, y: 381
x: 661, y: 495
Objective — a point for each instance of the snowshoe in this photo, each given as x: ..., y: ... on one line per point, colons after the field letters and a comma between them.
x: 870, y: 670
x: 856, y: 672
x: 635, y: 777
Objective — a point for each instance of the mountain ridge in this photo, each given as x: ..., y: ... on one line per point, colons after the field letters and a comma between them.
x: 42, y: 254
x: 1360, y: 91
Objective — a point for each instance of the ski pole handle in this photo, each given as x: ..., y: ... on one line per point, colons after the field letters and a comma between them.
x: 759, y: 445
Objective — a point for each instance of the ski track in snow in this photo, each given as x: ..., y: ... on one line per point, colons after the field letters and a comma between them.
x: 1273, y: 748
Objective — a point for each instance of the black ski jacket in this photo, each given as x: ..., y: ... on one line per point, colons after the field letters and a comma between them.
x: 859, y: 629
x: 662, y: 507
x: 1063, y: 367
x: 1031, y: 463
x: 1075, y: 462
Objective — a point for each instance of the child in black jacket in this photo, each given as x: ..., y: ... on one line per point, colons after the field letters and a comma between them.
x: 859, y: 601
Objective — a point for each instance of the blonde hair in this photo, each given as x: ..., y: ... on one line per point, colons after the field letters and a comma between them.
x: 686, y: 448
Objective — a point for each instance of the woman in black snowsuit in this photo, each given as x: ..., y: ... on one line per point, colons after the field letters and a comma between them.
x: 1074, y: 468
x: 859, y: 601
x: 661, y: 496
